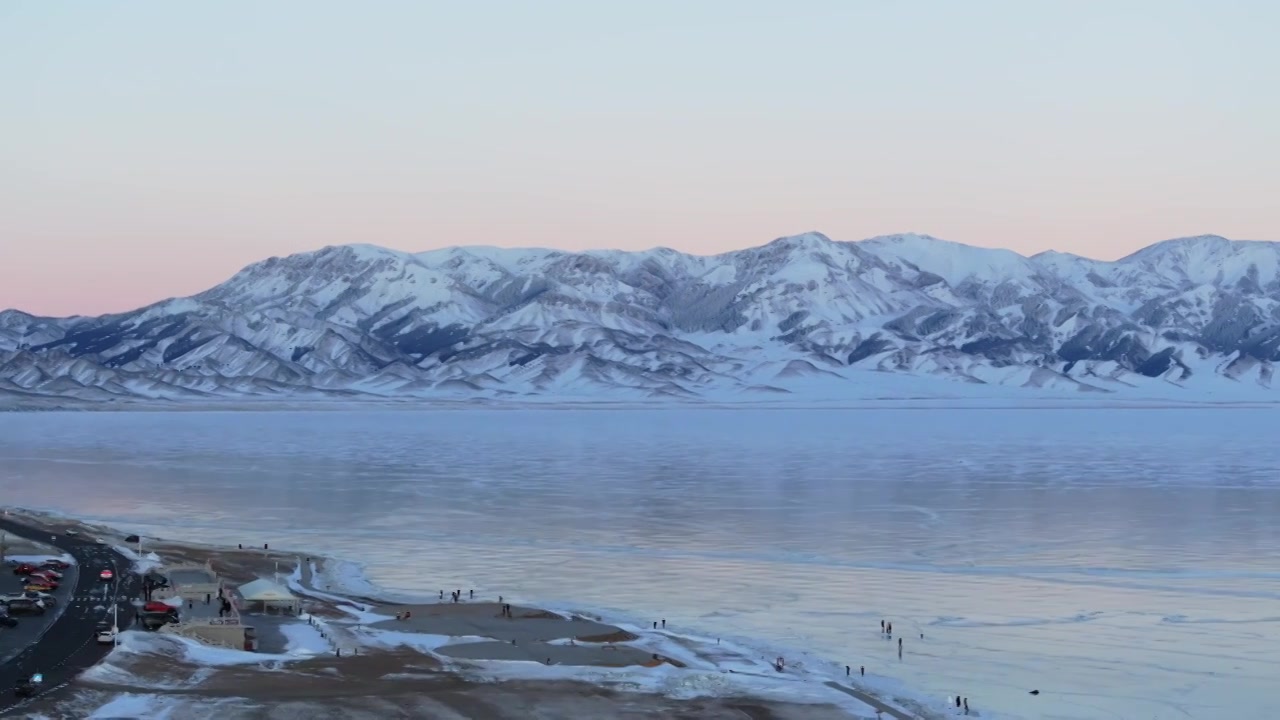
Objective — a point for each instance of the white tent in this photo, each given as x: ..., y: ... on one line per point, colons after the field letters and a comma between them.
x: 269, y: 594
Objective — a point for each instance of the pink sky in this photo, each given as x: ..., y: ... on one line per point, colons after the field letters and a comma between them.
x: 151, y: 151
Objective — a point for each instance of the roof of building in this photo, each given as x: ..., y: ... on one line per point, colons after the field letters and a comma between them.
x: 265, y: 590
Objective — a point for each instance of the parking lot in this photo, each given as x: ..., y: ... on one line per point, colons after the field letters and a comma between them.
x: 31, y: 627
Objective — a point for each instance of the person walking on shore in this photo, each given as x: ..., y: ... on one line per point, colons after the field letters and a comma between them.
x: 882, y: 627
x: 899, y: 648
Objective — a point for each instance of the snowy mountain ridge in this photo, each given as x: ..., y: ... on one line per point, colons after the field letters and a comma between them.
x: 802, y: 316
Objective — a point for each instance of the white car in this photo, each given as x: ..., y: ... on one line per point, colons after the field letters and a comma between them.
x: 72, y: 533
x: 107, y: 637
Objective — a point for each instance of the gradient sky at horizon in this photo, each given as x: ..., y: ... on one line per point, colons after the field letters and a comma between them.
x: 151, y: 149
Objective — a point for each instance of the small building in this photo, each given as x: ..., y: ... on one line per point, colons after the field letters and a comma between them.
x: 266, y: 596
x: 192, y: 581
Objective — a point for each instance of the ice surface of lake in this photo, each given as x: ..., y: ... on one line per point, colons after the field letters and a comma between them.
x: 1124, y: 562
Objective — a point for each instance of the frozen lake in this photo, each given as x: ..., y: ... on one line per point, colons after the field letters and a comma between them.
x: 1124, y: 562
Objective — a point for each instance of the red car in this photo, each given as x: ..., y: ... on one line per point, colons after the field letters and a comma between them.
x: 25, y: 569
x: 106, y: 575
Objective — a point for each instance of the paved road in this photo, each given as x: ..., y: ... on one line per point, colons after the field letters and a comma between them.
x: 68, y: 646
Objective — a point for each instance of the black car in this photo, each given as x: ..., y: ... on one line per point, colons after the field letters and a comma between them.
x: 6, y: 621
x: 132, y: 539
x: 28, y: 686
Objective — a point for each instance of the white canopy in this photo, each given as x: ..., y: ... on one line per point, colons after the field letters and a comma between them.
x: 263, y: 590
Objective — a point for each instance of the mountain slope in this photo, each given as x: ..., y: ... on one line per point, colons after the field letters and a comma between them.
x: 801, y: 315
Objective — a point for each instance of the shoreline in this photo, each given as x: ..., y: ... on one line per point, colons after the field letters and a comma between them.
x: 1011, y: 400
x: 463, y: 645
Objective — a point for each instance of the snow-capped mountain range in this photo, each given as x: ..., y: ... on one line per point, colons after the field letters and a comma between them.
x: 802, y: 316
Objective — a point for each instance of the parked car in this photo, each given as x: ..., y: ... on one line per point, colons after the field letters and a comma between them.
x: 24, y: 569
x: 44, y: 597
x: 72, y: 533
x: 40, y: 586
x: 56, y: 564
x: 107, y: 637
x: 133, y: 539
x: 26, y: 607
x: 48, y: 572
x: 155, y: 606
x: 6, y: 621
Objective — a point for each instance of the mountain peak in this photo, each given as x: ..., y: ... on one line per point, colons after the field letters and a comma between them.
x: 955, y: 262
x: 1192, y: 243
x: 809, y: 240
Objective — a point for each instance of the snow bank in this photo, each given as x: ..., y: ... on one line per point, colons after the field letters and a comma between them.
x: 714, y: 667
x: 136, y: 706
x: 142, y: 564
x: 345, y: 581
x: 188, y: 650
x: 161, y: 707
x: 674, y: 682
x: 422, y: 642
x: 294, y: 582
x: 38, y: 559
x: 304, y: 639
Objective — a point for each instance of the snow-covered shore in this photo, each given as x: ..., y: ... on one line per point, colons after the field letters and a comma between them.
x: 695, y: 665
